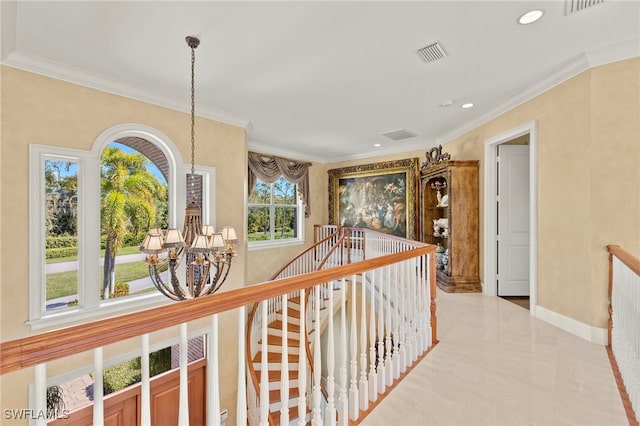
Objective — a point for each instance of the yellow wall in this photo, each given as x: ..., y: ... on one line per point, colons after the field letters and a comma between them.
x: 588, y: 180
x: 41, y: 110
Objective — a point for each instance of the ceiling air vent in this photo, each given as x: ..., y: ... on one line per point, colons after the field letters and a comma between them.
x: 432, y: 52
x: 397, y: 135
x: 573, y: 6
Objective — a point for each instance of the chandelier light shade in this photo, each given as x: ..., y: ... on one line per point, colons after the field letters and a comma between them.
x: 207, y: 253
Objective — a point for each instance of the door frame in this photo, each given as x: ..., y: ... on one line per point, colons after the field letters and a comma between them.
x: 490, y: 210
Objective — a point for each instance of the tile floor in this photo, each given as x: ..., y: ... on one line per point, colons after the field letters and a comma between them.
x: 497, y: 365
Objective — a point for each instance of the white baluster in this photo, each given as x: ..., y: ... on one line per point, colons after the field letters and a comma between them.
x: 373, y: 377
x: 40, y: 397
x: 382, y: 385
x: 330, y: 412
x: 419, y: 328
x: 264, y: 369
x: 284, y: 367
x: 241, y: 401
x: 213, y: 382
x: 145, y: 382
x: 364, y: 385
x: 354, y: 398
x: 396, y: 319
x: 426, y: 291
x: 416, y: 321
x: 407, y: 277
x: 98, y: 389
x: 388, y: 363
x: 183, y: 410
x: 316, y: 420
x: 343, y: 401
x: 302, y: 364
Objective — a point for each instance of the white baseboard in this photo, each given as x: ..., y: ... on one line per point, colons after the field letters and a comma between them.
x: 587, y: 332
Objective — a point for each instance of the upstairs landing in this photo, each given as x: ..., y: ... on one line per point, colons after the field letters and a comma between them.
x: 497, y: 365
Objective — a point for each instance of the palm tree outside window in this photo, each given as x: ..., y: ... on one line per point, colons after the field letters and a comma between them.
x: 133, y: 198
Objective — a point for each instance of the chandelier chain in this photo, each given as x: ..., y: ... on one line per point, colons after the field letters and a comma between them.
x: 193, y: 108
x: 207, y: 253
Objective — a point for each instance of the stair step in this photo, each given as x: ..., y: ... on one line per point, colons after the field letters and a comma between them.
x: 290, y: 320
x: 294, y: 300
x: 275, y: 402
x: 273, y: 357
x: 294, y: 392
x: 293, y: 350
x: 274, y: 375
x: 291, y: 312
x: 278, y: 332
x: 274, y: 366
x: 274, y: 344
x: 277, y: 340
x: 277, y: 325
x: 293, y: 416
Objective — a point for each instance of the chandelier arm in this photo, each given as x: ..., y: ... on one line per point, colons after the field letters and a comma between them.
x: 210, y: 289
x: 201, y: 283
x: 175, y: 282
x: 156, y: 279
x: 225, y: 267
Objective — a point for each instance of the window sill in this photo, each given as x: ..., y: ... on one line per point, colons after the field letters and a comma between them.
x: 78, y: 314
x: 263, y: 245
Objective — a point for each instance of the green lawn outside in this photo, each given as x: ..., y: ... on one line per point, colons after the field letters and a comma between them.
x: 61, y: 284
x: 123, y: 251
x: 261, y: 236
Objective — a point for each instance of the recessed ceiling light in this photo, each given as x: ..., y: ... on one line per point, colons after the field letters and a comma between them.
x: 530, y: 17
x: 377, y: 145
x: 467, y: 105
x: 446, y: 104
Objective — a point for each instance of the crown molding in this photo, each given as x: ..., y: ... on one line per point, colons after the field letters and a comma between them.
x: 418, y: 145
x: 568, y: 70
x: 618, y: 52
x: 72, y: 75
x: 293, y: 155
x: 580, y: 63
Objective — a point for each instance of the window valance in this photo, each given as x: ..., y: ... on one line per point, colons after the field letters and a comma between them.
x: 269, y: 168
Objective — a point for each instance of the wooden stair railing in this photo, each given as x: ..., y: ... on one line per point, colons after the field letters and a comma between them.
x: 623, y: 346
x: 350, y: 240
x: 415, y: 260
x: 310, y: 259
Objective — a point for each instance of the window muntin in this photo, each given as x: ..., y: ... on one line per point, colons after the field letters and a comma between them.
x: 274, y: 213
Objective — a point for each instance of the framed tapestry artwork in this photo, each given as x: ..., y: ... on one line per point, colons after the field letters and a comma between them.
x: 380, y: 196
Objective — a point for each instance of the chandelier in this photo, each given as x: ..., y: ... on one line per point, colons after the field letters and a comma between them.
x: 207, y: 254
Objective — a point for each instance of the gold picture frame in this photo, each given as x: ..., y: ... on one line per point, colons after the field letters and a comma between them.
x: 379, y: 196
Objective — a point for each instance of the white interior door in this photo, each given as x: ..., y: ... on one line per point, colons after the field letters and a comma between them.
x: 513, y: 220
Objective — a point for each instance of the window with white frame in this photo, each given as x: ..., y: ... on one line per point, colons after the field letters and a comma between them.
x: 78, y: 200
x: 274, y: 214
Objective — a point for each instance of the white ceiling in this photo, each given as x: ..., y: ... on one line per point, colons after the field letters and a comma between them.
x: 321, y: 80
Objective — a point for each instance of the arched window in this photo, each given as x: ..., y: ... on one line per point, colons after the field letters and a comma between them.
x: 86, y: 205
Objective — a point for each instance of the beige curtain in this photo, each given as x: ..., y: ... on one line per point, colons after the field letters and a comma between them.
x: 268, y: 169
